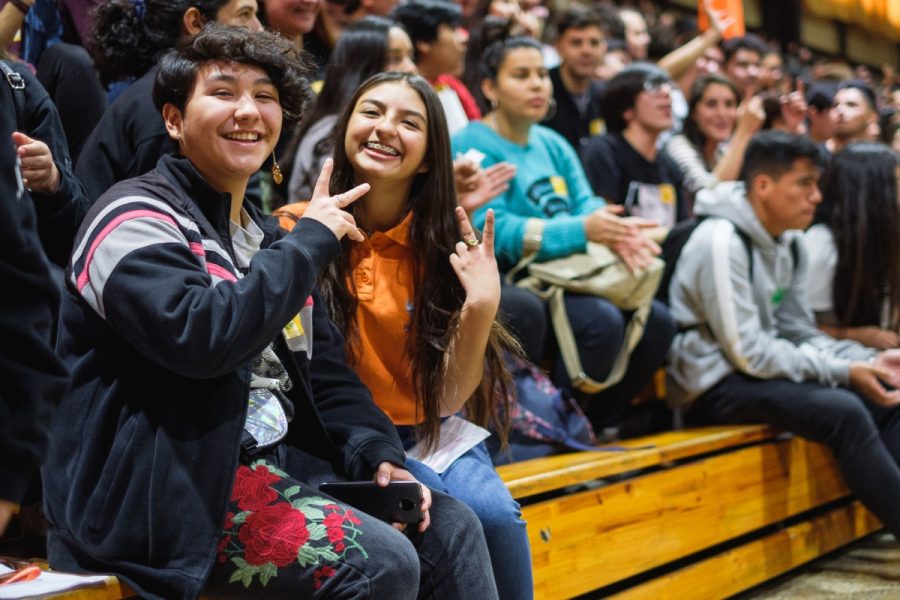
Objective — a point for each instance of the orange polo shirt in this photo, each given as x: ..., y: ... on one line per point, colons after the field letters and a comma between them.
x: 382, y: 269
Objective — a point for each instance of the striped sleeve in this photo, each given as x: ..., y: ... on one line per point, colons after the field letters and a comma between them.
x: 177, y: 297
x: 126, y: 225
x: 696, y: 176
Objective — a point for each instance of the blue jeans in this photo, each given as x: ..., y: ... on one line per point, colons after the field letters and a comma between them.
x: 472, y: 479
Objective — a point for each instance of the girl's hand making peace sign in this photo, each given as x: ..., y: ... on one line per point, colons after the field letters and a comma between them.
x: 475, y: 265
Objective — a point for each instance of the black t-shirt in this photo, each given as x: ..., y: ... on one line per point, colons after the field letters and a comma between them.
x: 575, y: 119
x: 621, y: 175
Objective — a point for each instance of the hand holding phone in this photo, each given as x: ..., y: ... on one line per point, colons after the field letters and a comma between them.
x: 387, y: 472
x: 398, y: 502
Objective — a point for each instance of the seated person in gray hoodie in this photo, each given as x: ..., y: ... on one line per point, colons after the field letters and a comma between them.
x: 748, y: 350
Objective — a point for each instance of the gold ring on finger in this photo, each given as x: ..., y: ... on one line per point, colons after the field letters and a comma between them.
x: 472, y: 242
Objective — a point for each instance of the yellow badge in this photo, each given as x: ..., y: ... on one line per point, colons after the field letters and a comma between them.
x: 294, y: 328
x: 666, y: 193
x: 597, y: 127
x: 559, y: 185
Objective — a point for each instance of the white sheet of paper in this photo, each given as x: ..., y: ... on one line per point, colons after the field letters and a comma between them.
x: 458, y: 436
x: 474, y: 155
x: 47, y: 583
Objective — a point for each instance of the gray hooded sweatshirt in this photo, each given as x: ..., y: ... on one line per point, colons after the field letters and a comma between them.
x: 764, y: 327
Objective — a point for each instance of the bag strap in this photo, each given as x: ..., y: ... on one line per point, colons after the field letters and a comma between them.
x: 531, y: 245
x: 748, y: 246
x: 562, y: 328
x: 17, y: 85
x: 795, y: 251
x: 568, y: 349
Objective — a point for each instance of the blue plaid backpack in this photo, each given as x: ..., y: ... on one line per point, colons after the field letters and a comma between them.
x: 544, y: 420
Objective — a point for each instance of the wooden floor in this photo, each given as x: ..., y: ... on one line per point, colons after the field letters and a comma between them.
x: 868, y: 569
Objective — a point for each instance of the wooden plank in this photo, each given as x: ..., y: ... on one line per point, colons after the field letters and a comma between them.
x: 758, y: 561
x: 555, y: 472
x: 112, y: 589
x: 590, y: 539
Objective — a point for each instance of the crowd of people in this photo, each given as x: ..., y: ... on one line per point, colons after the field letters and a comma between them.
x: 260, y: 245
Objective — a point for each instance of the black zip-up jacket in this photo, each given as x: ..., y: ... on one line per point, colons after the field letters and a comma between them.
x: 159, y: 333
x: 33, y: 376
x: 128, y: 141
x: 58, y: 214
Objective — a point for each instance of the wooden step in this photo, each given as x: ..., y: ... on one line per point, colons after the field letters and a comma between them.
x: 676, y: 495
x: 756, y: 562
x: 587, y: 540
x: 112, y: 589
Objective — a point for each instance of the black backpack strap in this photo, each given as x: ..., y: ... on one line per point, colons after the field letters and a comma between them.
x: 17, y: 85
x: 748, y: 244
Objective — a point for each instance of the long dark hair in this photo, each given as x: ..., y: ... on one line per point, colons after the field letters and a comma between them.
x: 438, y: 296
x: 361, y: 51
x: 127, y: 37
x: 691, y: 129
x: 859, y: 206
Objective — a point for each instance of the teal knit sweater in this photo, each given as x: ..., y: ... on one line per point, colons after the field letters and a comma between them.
x: 549, y: 184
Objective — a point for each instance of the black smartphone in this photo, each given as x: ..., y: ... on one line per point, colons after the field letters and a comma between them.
x: 399, y: 502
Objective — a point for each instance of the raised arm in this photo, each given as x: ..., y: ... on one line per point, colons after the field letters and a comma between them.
x: 750, y: 118
x: 677, y: 62
x: 475, y: 266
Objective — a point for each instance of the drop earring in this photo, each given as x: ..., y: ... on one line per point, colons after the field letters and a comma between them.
x: 277, y: 176
x: 551, y: 109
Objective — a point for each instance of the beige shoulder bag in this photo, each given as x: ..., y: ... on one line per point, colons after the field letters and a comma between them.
x: 597, y: 271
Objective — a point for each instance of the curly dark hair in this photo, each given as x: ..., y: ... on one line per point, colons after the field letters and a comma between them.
x: 282, y: 61
x: 127, y: 37
x: 439, y: 296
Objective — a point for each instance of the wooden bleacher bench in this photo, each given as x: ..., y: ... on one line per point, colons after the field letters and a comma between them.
x: 112, y: 589
x: 699, y: 513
